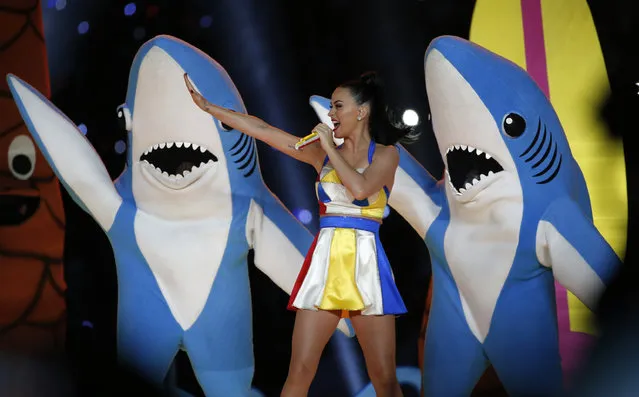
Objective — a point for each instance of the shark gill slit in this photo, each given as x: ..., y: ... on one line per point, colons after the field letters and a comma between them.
x: 246, y: 153
x: 541, y: 145
x: 241, y: 141
x: 534, y: 141
x: 550, y: 165
x: 548, y: 147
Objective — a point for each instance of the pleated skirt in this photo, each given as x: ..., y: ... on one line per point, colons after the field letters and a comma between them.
x: 346, y: 269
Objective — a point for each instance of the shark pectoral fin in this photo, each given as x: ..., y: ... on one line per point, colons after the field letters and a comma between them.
x: 416, y: 195
x: 581, y: 259
x: 279, y: 241
x: 69, y: 153
x: 321, y: 106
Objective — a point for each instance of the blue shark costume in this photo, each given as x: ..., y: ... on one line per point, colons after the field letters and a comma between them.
x: 181, y: 218
x: 511, y: 215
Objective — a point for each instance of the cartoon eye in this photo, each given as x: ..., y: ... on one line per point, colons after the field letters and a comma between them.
x: 22, y: 157
x: 124, y: 117
x: 514, y: 125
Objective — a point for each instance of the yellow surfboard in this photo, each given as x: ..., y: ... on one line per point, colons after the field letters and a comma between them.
x: 556, y: 42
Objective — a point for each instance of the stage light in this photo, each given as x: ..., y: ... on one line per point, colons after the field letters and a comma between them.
x: 60, y: 4
x: 139, y: 33
x: 82, y: 128
x: 129, y: 9
x: 386, y: 211
x: 120, y: 147
x: 304, y: 216
x: 206, y: 21
x: 410, y: 117
x: 83, y: 27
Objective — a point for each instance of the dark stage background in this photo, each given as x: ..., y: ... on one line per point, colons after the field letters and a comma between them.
x: 278, y: 53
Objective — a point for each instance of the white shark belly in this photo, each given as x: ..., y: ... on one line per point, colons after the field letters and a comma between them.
x: 184, y: 257
x: 480, y: 256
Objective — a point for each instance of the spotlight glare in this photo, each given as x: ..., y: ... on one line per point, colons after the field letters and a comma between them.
x: 82, y: 128
x: 206, y: 21
x: 83, y: 27
x: 410, y: 117
x: 304, y: 216
x: 120, y: 147
x: 129, y: 9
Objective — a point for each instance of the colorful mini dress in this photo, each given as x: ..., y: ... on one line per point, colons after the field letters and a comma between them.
x: 346, y: 268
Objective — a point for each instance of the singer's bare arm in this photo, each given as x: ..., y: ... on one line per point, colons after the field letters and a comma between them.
x: 312, y: 154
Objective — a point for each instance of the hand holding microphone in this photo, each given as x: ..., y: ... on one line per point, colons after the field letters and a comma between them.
x: 321, y: 132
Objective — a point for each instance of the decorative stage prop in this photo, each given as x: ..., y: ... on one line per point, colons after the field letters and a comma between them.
x: 181, y: 218
x: 511, y: 215
x: 556, y: 42
x: 32, y: 221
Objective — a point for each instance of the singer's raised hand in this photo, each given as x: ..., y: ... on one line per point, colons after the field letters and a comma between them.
x: 326, y: 136
x: 199, y: 100
x: 258, y: 129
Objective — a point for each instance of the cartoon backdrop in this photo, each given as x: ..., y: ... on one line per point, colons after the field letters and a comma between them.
x: 278, y: 53
x: 32, y: 221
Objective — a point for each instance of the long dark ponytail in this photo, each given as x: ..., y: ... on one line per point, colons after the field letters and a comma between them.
x: 385, y: 127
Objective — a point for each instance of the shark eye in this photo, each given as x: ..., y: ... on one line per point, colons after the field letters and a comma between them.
x: 124, y: 118
x: 514, y: 125
x: 22, y: 157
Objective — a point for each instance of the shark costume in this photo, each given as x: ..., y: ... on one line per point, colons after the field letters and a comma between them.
x: 181, y: 218
x: 511, y: 215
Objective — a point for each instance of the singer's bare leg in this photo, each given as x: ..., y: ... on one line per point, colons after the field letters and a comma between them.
x: 376, y: 336
x: 311, y: 333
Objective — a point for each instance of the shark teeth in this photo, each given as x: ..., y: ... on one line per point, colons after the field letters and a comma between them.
x: 179, y: 177
x: 468, y: 167
x: 469, y: 149
x: 469, y: 185
x: 178, y: 144
x: 173, y: 162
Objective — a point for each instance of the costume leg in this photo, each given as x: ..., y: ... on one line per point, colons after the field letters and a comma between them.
x: 220, y: 343
x: 453, y: 358
x: 523, y: 343
x: 222, y: 361
x: 148, y: 339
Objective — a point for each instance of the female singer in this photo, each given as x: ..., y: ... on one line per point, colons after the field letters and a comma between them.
x: 346, y: 272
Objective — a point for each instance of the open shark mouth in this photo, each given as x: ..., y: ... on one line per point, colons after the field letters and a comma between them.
x: 178, y: 160
x: 17, y: 209
x: 468, y: 166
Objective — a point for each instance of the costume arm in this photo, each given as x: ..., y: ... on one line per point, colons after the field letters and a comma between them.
x: 280, y: 242
x: 69, y: 153
x: 416, y: 195
x: 581, y: 260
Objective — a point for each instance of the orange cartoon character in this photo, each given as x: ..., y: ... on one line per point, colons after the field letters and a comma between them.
x: 32, y: 306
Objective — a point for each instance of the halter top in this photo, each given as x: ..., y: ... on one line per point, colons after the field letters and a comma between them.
x: 335, y: 199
